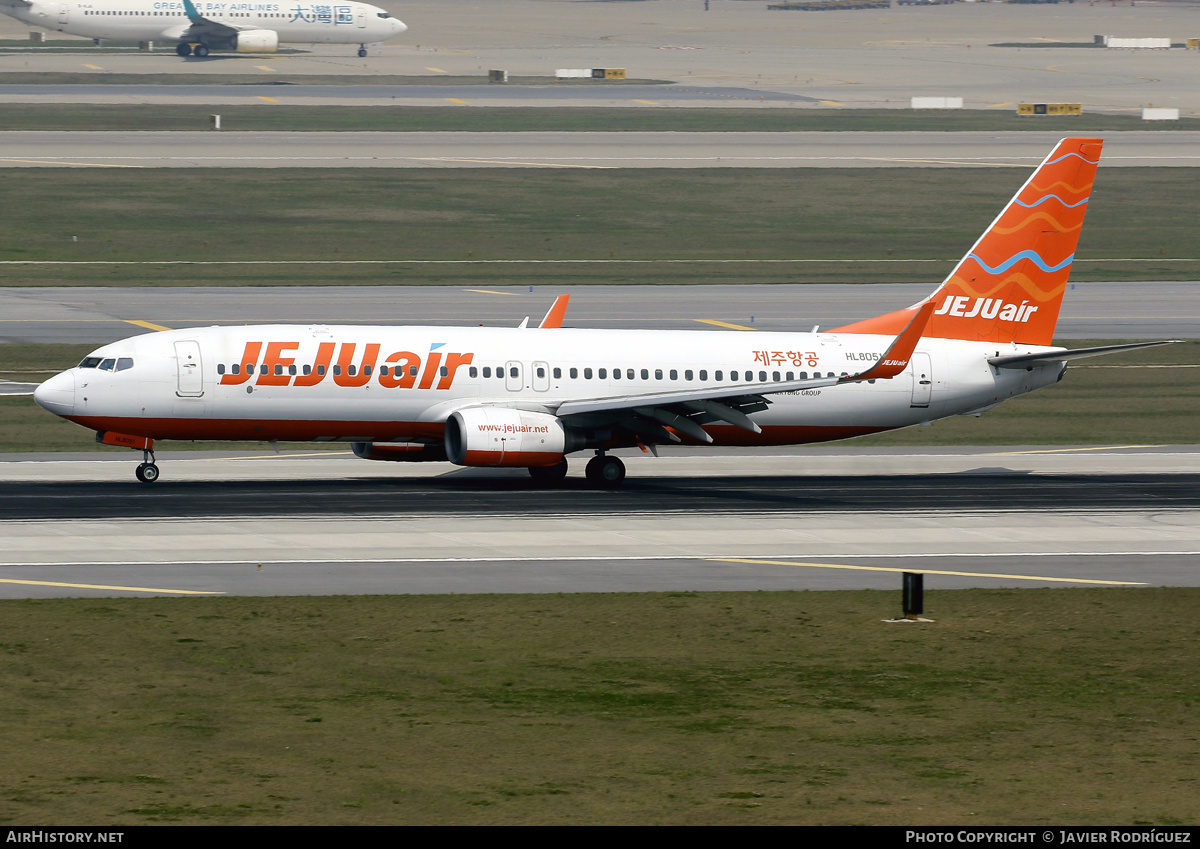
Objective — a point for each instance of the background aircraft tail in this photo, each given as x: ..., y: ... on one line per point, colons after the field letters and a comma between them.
x: 1009, y: 286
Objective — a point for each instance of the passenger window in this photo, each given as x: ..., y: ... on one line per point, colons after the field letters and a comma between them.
x: 445, y: 371
x: 512, y: 372
x: 107, y: 365
x: 473, y: 372
x: 804, y: 375
x: 541, y: 371
x: 279, y: 368
x: 703, y: 374
x: 367, y: 370
x: 775, y: 376
x: 645, y: 374
x: 291, y: 369
x: 658, y: 374
x: 587, y: 374
x: 350, y: 370
x: 487, y: 371
x: 616, y: 374
x: 602, y: 373
x: 220, y: 368
x: 321, y: 370
x: 720, y: 375
x: 383, y: 371
x: 337, y: 370
x: 574, y: 374
x: 412, y: 371
x: 687, y: 374
x: 674, y: 374
x: 791, y: 375
x: 307, y: 370
x: 762, y: 377
x: 557, y: 373
x: 629, y: 373
x: 236, y: 369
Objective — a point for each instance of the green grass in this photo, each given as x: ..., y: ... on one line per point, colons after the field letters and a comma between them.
x: 1043, y: 707
x: 249, y: 215
x: 1135, y: 398
x: 279, y: 117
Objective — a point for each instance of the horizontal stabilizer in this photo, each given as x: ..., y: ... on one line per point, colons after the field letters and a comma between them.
x: 1024, y: 360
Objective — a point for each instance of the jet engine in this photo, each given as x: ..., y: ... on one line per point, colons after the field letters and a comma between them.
x: 257, y: 41
x: 501, y: 436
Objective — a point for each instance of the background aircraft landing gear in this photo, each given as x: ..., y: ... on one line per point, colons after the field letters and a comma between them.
x: 183, y: 49
x: 146, y: 471
x: 200, y: 50
x: 548, y: 475
x: 606, y: 472
x: 362, y: 52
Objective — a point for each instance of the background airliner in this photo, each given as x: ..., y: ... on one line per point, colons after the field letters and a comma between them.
x: 528, y: 397
x: 197, y: 28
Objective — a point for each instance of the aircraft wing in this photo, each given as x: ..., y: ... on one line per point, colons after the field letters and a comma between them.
x: 201, y: 26
x: 686, y: 410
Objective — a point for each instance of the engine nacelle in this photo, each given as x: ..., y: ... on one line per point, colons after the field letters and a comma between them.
x: 399, y: 452
x: 501, y: 436
x: 257, y: 41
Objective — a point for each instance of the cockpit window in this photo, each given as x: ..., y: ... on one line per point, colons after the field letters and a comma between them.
x: 107, y: 364
x: 383, y: 14
x: 90, y: 362
x: 124, y: 363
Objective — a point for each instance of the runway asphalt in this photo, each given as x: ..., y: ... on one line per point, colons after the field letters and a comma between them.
x: 34, y: 149
x: 817, y: 518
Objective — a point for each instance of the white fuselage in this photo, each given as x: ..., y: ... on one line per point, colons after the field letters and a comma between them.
x: 182, y: 384
x: 165, y: 20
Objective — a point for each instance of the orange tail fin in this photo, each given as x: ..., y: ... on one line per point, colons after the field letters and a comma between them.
x: 1009, y: 286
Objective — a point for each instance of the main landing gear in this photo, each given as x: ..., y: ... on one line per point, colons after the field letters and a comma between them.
x: 146, y: 471
x: 602, y: 471
x: 185, y: 49
x: 605, y: 472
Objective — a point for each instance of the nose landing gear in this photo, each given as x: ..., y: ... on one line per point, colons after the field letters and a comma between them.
x: 147, y: 471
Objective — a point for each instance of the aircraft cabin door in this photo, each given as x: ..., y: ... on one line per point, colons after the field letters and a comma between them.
x: 64, y: 13
x: 362, y: 19
x: 191, y: 373
x: 922, y: 374
x: 541, y: 377
x: 512, y: 376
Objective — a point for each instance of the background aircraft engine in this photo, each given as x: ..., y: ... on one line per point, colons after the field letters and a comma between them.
x: 500, y: 436
x: 257, y: 41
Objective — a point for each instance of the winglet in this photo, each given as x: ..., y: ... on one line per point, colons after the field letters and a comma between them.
x: 895, y: 358
x: 192, y: 14
x: 554, y: 318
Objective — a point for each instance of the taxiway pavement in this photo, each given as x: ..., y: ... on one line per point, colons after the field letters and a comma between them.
x: 79, y: 149
x: 1110, y: 310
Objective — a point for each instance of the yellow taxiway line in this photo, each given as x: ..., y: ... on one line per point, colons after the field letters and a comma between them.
x: 145, y: 324
x: 490, y: 292
x: 926, y: 571
x: 103, y: 587
x: 723, y: 324
x: 79, y: 164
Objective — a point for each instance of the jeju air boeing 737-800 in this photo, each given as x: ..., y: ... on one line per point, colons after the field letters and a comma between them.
x: 528, y: 397
x: 199, y: 27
